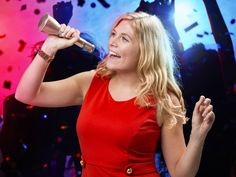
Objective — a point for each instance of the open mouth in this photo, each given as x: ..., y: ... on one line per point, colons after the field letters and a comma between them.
x: 113, y: 54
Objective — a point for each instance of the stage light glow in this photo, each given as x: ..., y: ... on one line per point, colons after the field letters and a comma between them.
x: 44, y: 116
x: 29, y: 107
x: 150, y: 1
x: 184, y: 18
x: 24, y: 146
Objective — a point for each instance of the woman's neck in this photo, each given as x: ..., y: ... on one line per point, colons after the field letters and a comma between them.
x: 126, y: 80
x: 123, y: 87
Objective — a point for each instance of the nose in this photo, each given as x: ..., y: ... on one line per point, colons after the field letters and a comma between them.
x: 113, y: 42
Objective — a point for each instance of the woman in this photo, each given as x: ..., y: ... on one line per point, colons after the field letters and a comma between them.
x: 129, y: 103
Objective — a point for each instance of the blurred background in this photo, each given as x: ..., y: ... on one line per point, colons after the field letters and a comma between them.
x: 42, y: 142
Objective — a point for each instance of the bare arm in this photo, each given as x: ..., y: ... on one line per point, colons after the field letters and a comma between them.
x: 181, y: 160
x: 31, y: 88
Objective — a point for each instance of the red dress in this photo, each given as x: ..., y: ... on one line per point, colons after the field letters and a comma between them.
x: 117, y: 138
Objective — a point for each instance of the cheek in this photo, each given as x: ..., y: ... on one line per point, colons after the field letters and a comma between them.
x: 131, y: 49
x: 132, y: 59
x: 134, y: 55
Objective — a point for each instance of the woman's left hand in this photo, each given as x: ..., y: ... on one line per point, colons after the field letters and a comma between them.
x: 203, y: 118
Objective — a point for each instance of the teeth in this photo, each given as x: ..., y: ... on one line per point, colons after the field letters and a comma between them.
x: 113, y: 53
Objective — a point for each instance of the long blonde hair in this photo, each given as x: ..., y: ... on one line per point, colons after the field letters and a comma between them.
x: 155, y: 68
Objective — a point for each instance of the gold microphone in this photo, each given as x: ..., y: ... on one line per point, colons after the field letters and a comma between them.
x: 49, y: 25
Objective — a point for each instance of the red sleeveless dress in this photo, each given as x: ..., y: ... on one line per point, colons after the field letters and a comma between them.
x: 117, y: 138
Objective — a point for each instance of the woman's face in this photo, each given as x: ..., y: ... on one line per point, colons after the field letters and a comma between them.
x: 123, y: 48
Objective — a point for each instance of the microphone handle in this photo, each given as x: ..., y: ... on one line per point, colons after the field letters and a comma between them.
x: 85, y: 45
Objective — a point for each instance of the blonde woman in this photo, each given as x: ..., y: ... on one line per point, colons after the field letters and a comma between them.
x: 129, y: 103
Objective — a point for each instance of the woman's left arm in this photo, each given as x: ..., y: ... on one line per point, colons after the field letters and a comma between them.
x: 184, y: 161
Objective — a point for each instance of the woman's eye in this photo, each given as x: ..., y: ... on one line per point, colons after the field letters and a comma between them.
x: 125, y: 39
x: 113, y: 33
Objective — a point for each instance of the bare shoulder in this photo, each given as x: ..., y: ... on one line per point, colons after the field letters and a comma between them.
x: 84, y: 79
x: 175, y: 100
x: 175, y: 108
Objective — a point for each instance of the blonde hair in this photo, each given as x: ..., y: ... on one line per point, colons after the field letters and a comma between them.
x: 155, y: 68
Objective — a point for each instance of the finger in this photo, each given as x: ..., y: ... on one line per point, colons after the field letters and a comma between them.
x: 69, y: 34
x: 197, y: 105
x: 210, y: 117
x: 207, y: 110
x: 75, y: 36
x: 77, y: 33
x: 201, y: 108
x: 61, y: 30
x: 207, y: 102
x: 67, y: 29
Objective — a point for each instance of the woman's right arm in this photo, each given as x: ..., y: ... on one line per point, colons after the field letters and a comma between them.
x: 70, y: 91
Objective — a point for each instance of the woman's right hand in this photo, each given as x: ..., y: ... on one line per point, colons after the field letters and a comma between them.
x: 66, y: 38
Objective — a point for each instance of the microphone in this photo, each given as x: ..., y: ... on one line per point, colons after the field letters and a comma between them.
x: 49, y: 25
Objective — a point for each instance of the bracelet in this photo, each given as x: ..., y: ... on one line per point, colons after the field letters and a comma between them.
x: 45, y: 56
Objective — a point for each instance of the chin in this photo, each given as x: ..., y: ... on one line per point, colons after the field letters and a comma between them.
x: 111, y: 66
